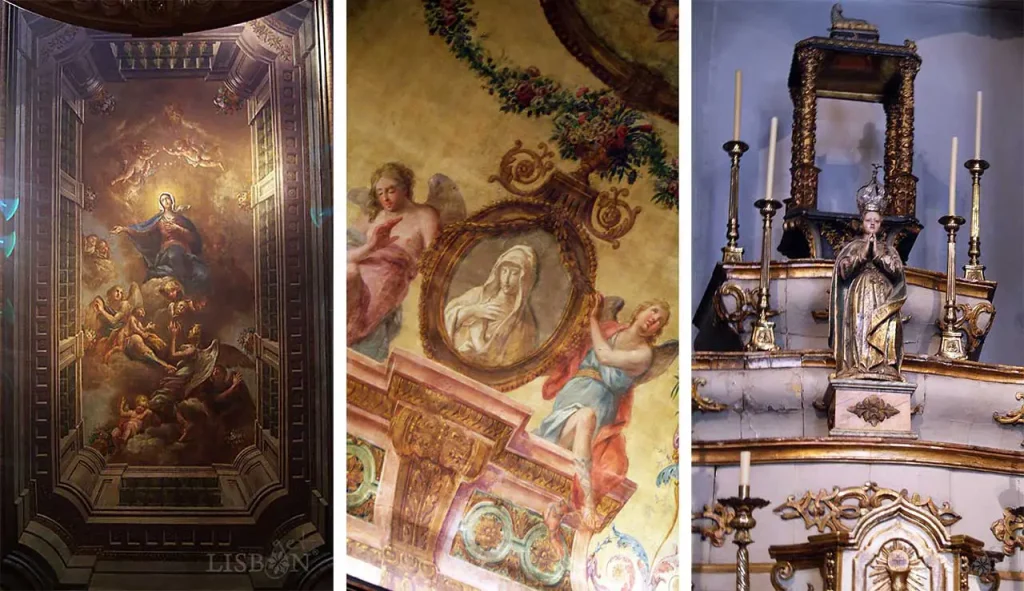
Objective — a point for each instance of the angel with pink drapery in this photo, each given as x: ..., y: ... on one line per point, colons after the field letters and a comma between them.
x: 384, y: 248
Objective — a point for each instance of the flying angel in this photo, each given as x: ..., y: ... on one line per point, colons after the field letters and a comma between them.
x: 384, y: 248
x: 593, y: 392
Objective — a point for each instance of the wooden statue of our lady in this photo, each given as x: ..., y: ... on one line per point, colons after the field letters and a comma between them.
x: 868, y: 290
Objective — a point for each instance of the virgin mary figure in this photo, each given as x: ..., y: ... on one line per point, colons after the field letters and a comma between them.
x: 171, y: 246
x: 494, y: 323
x: 868, y: 290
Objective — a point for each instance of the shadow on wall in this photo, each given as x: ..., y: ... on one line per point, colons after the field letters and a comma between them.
x: 965, y: 48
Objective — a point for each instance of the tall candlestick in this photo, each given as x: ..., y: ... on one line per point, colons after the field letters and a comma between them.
x: 737, y: 99
x: 744, y: 468
x: 977, y: 128
x: 771, y: 158
x: 952, y: 179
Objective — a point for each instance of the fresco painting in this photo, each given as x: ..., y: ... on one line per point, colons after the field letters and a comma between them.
x: 512, y: 252
x: 168, y: 304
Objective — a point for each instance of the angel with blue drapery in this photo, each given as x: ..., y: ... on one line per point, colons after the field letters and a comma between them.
x: 171, y: 246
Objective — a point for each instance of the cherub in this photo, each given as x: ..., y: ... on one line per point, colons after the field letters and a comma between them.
x: 385, y: 244
x: 194, y: 154
x: 132, y: 420
x: 138, y: 164
x: 593, y: 392
x: 89, y: 245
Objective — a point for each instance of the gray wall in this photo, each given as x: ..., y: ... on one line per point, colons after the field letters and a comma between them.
x: 965, y: 47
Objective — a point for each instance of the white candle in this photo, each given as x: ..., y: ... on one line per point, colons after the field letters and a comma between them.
x: 736, y: 106
x: 744, y: 468
x: 771, y: 157
x: 977, y: 128
x: 952, y: 180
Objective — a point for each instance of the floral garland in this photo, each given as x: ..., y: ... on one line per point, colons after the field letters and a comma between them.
x: 591, y: 126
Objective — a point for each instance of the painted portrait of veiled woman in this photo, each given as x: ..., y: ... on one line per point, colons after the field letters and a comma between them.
x: 494, y: 324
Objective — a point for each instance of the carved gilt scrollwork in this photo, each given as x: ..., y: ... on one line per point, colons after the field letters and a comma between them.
x: 522, y: 171
x: 699, y: 403
x: 1009, y: 530
x: 1013, y: 417
x: 826, y: 511
x: 781, y: 572
x: 531, y: 173
x: 974, y: 324
x: 873, y: 410
x: 716, y: 531
x: 743, y: 308
x: 612, y: 217
x: 984, y: 567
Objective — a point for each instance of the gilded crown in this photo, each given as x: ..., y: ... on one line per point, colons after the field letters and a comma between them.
x: 872, y: 197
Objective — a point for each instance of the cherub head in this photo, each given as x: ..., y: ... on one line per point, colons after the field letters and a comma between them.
x: 141, y: 403
x: 90, y: 243
x: 195, y: 333
x: 139, y: 312
x: 650, y: 318
x: 102, y: 249
x: 664, y: 15
x: 171, y: 289
x: 391, y: 185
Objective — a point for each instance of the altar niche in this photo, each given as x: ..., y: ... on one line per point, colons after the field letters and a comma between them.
x: 849, y: 69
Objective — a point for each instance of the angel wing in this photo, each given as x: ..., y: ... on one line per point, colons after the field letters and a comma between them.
x: 444, y: 196
x: 361, y: 198
x: 135, y: 296
x: 612, y: 306
x: 664, y: 355
x: 232, y: 356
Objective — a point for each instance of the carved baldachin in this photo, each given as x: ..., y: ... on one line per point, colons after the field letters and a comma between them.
x: 826, y: 511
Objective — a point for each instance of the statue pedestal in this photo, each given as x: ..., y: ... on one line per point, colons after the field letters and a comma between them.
x: 869, y: 408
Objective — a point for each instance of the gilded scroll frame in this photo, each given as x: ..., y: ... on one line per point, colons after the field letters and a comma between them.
x: 502, y: 220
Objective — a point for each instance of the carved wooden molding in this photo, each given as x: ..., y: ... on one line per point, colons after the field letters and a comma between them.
x: 700, y: 403
x: 826, y: 511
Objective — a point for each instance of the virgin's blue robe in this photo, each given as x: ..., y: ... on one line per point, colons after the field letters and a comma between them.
x: 173, y: 261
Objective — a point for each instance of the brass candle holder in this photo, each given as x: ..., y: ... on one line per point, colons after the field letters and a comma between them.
x: 732, y: 252
x: 952, y: 344
x: 974, y: 270
x: 762, y: 331
x: 744, y: 506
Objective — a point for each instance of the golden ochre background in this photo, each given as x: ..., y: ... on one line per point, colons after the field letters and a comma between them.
x: 411, y: 100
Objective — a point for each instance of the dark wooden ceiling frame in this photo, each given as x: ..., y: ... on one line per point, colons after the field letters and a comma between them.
x: 153, y: 19
x: 638, y: 85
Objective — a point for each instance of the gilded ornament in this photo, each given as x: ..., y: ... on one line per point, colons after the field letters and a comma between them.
x: 873, y: 410
x: 366, y: 397
x: 975, y: 328
x: 364, y: 552
x: 851, y: 28
x: 272, y: 39
x: 720, y: 518
x: 527, y: 470
x: 1009, y: 530
x: 826, y: 511
x: 984, y: 567
x: 521, y: 168
x: 781, y: 572
x: 897, y: 567
x: 1013, y: 417
x: 745, y: 301
x: 700, y: 403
